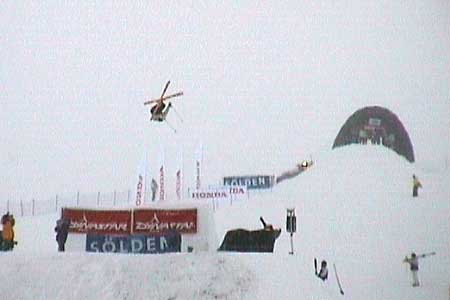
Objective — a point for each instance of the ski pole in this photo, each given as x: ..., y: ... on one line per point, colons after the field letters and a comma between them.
x: 337, y: 279
x: 178, y: 115
x: 171, y: 127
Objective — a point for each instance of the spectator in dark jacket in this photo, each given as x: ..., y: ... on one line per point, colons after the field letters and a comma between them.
x: 62, y: 230
x: 323, y: 273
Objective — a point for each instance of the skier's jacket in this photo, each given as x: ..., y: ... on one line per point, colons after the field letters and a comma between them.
x: 323, y: 274
x: 8, y: 232
x: 62, y: 230
x: 416, y: 183
x: 413, y: 262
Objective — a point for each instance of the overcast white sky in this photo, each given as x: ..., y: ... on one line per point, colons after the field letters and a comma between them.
x: 265, y: 84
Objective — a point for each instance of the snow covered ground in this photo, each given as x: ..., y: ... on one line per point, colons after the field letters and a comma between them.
x: 354, y: 208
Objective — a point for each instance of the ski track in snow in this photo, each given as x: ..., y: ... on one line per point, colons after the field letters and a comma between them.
x: 172, y: 276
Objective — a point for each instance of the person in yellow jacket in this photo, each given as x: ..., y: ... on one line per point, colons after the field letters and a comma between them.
x: 8, y: 223
x: 416, y: 186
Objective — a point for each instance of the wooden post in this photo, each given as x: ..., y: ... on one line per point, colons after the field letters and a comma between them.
x: 129, y: 194
x: 7, y: 205
x: 78, y: 198
x: 98, y: 199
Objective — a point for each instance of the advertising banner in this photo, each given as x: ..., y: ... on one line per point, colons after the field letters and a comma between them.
x: 179, y: 175
x: 136, y: 243
x: 252, y: 182
x: 141, y: 183
x: 198, y: 165
x: 220, y: 193
x: 162, y: 195
x: 161, y: 220
x: 98, y: 221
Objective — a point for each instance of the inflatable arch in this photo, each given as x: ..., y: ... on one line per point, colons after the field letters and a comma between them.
x: 376, y: 125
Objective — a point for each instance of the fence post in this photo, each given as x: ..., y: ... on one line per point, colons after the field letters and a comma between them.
x: 128, y: 199
x: 56, y: 203
x: 32, y: 207
x: 21, y: 207
x: 7, y: 205
x: 98, y: 199
x: 114, y: 201
x: 78, y: 198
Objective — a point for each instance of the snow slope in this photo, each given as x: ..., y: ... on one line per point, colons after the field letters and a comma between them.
x: 374, y: 224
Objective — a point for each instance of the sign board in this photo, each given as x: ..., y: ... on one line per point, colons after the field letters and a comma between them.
x: 135, y: 243
x: 220, y: 193
x: 291, y: 221
x: 160, y: 220
x: 252, y: 182
x: 374, y: 122
x: 98, y: 221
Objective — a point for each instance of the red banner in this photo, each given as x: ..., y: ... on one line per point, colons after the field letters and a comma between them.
x: 161, y: 220
x: 98, y: 221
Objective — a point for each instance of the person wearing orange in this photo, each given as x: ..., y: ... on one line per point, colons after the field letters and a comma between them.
x: 8, y: 223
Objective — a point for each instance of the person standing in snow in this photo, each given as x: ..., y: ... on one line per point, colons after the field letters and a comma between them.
x: 413, y: 262
x: 8, y: 223
x: 62, y: 230
x: 323, y: 273
x: 416, y: 186
x: 154, y: 187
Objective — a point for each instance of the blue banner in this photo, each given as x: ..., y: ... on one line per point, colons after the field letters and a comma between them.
x: 135, y: 243
x: 252, y: 182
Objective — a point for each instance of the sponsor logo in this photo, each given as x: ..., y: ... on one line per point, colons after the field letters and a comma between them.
x: 85, y: 226
x: 178, y: 185
x: 198, y: 175
x: 156, y: 225
x: 151, y: 244
x: 207, y: 195
x: 161, y: 183
x: 163, y: 220
x: 139, y: 191
x: 252, y: 182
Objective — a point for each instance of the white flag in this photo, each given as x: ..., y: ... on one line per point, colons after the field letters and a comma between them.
x: 140, y: 187
x: 179, y: 175
x: 198, y: 165
x: 161, y: 175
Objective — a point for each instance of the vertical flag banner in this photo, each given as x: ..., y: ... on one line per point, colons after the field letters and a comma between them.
x: 140, y: 187
x: 198, y: 165
x: 161, y: 175
x: 179, y: 175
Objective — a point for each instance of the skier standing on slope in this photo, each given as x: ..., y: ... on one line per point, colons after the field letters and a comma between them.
x: 413, y: 262
x: 62, y: 230
x: 323, y: 273
x: 416, y: 186
x: 154, y: 187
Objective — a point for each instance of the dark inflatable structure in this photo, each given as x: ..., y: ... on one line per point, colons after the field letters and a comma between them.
x: 376, y: 125
x: 242, y: 240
